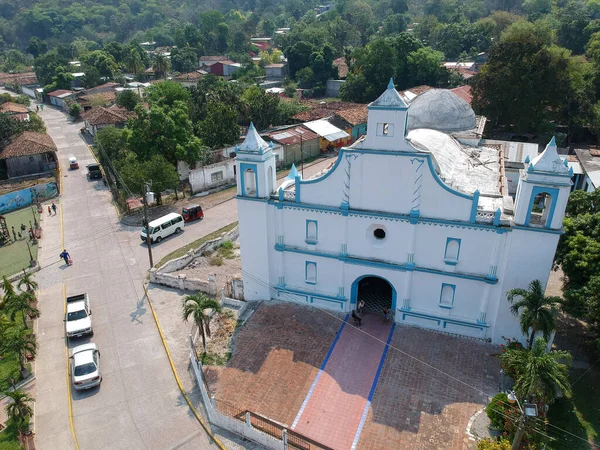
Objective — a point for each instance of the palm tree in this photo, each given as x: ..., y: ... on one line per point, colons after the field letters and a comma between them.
x: 538, y: 373
x: 161, y: 65
x: 28, y: 283
x: 133, y: 62
x: 19, y: 409
x: 19, y: 342
x: 537, y: 312
x: 9, y: 291
x: 195, y: 306
x: 21, y: 304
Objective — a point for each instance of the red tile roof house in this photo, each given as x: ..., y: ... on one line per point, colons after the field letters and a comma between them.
x: 15, y: 110
x: 29, y: 154
x: 59, y: 98
x: 100, y: 117
x: 189, y: 79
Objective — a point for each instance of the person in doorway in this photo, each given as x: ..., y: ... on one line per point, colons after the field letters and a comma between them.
x: 386, y: 313
x: 14, y: 234
x: 65, y: 255
x: 54, y: 208
x: 356, y: 319
x: 361, y: 306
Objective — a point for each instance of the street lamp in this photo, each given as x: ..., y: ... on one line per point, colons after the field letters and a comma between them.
x: 146, y: 223
x: 528, y: 410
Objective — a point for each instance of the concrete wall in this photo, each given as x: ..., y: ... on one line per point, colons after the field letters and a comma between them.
x: 214, y: 175
x: 332, y: 88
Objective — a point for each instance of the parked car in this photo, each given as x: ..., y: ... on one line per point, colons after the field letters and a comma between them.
x: 94, y: 171
x: 192, y: 212
x: 78, y: 318
x: 85, y: 367
x: 73, y: 164
x: 163, y: 227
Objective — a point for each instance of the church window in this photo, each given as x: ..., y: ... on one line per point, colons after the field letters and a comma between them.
x: 452, y: 251
x: 311, y: 272
x: 312, y: 231
x: 541, y: 207
x: 249, y: 182
x: 379, y: 233
x: 447, y: 295
x: 385, y: 129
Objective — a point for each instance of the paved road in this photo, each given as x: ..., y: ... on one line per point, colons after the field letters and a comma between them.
x: 138, y: 404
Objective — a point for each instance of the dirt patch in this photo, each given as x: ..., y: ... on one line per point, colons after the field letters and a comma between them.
x: 555, y: 283
x: 218, y: 345
x: 225, y: 263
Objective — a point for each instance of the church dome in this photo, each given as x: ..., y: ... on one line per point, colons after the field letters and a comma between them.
x: 442, y: 110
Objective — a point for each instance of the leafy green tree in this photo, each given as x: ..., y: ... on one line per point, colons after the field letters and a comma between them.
x: 161, y: 65
x: 116, y: 50
x: 36, y: 47
x: 425, y: 65
x: 62, y: 79
x: 502, y: 90
x: 128, y: 99
x: 19, y: 342
x: 92, y: 77
x: 167, y: 93
x: 102, y: 61
x: 45, y: 66
x: 298, y: 56
x: 220, y: 127
x: 262, y: 108
x: 395, y: 23
x: 164, y: 130
x: 537, y: 8
x: 288, y: 109
x: 305, y: 78
x: 19, y: 409
x: 9, y: 292
x: 355, y: 89
x: 184, y: 60
x: 196, y: 307
x: 136, y: 172
x: 572, y: 21
x: 536, y: 312
x: 268, y: 27
x: 538, y: 374
x: 22, y: 305
x: 133, y: 61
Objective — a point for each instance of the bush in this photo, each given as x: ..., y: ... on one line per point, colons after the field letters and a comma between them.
x: 493, y: 444
x: 496, y: 410
x: 227, y: 245
x: 216, y: 261
x: 75, y: 110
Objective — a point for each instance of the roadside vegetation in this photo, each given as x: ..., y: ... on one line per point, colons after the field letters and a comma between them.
x: 17, y: 347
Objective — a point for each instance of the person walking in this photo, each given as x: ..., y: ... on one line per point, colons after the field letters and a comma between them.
x: 54, y: 208
x: 37, y: 109
x: 49, y: 210
x: 356, y: 319
x: 14, y: 234
x: 65, y: 255
x: 42, y: 106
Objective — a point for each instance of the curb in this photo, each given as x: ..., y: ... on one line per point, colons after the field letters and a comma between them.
x: 187, y: 399
x: 20, y: 385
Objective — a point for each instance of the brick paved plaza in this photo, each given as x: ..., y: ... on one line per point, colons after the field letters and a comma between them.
x: 279, y: 352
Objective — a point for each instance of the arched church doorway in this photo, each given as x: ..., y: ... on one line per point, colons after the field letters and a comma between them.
x: 376, y: 292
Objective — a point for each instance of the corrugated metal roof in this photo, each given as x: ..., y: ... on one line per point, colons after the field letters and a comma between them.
x: 326, y: 130
x: 292, y: 135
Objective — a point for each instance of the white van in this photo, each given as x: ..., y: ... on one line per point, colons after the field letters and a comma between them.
x: 163, y: 227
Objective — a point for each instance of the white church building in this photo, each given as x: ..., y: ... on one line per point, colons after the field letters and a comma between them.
x: 408, y: 217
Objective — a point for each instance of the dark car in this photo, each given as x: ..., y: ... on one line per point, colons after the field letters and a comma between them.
x: 94, y: 171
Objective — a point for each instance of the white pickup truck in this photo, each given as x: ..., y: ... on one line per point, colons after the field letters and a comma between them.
x: 78, y: 320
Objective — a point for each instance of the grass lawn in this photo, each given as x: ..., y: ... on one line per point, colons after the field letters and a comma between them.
x: 9, y: 368
x: 15, y: 257
x: 579, y: 415
x: 194, y: 245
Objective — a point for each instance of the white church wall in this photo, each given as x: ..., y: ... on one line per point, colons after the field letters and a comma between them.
x: 529, y: 257
x: 474, y: 250
x: 393, y: 248
x: 324, y: 190
x: 328, y: 226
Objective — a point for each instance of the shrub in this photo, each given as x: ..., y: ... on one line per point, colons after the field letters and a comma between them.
x: 216, y: 261
x: 227, y: 245
x: 496, y: 410
x: 493, y: 444
x: 75, y: 110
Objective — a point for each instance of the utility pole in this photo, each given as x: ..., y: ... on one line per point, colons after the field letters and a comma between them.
x: 302, y: 154
x: 516, y: 444
x: 147, y: 224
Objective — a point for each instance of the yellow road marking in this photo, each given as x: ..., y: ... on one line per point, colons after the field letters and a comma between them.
x: 164, y: 341
x: 68, y: 375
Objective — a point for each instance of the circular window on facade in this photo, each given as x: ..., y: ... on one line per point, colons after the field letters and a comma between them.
x: 379, y: 233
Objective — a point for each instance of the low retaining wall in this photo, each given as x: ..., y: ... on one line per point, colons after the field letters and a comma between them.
x: 162, y: 275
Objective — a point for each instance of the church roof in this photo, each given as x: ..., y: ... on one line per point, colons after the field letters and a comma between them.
x: 464, y: 168
x: 389, y: 99
x: 442, y: 110
x: 549, y: 161
x: 253, y: 141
